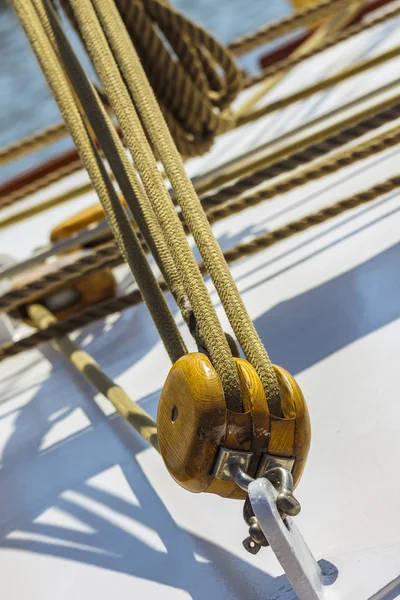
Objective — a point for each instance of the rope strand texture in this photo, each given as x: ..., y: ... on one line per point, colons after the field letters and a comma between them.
x: 55, y: 175
x: 108, y: 255
x: 303, y: 151
x: 246, y: 249
x: 193, y: 76
x: 159, y: 135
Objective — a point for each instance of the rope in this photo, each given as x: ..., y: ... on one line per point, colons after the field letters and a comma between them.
x: 108, y: 255
x: 282, y: 66
x: 38, y: 140
x: 124, y: 172
x: 344, y: 35
x: 95, y: 27
x: 91, y: 371
x: 304, y: 150
x: 320, y: 86
x: 237, y: 252
x: 216, y: 211
x: 34, y: 18
x: 194, y: 216
x: 137, y: 142
x: 193, y: 76
x: 296, y: 20
x: 41, y: 183
x: 326, y: 30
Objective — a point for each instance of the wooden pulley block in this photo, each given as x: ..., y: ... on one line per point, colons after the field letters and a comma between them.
x: 72, y: 297
x: 195, y: 425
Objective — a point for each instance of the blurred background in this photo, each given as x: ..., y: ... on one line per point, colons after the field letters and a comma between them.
x: 26, y: 105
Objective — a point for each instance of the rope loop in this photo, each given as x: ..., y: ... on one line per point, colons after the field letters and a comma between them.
x: 194, y: 77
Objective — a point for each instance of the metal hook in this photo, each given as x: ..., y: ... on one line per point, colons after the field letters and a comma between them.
x: 286, y: 503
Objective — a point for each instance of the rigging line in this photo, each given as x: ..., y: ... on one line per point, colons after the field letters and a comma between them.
x: 124, y: 172
x: 292, y: 61
x: 157, y: 131
x: 37, y: 140
x: 216, y: 201
x: 139, y: 419
x: 326, y: 30
x: 324, y: 84
x: 302, y: 150
x: 237, y: 252
x: 132, y: 126
x: 66, y: 101
x: 276, y: 29
x: 108, y: 255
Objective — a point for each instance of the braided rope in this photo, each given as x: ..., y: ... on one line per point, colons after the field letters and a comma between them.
x: 241, y: 250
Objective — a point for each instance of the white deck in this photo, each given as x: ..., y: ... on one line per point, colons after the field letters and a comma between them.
x: 87, y: 510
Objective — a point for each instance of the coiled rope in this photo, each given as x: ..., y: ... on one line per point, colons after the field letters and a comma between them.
x: 193, y: 76
x: 38, y: 140
x: 113, y: 56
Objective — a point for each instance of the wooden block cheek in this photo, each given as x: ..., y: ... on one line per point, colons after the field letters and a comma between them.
x: 291, y: 436
x: 189, y: 442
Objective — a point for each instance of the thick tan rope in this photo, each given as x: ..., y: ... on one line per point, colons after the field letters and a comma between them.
x: 344, y: 35
x: 108, y: 255
x: 271, y: 32
x: 91, y: 371
x: 184, y: 192
x: 126, y: 176
x: 129, y: 245
x: 144, y: 160
x: 241, y: 250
